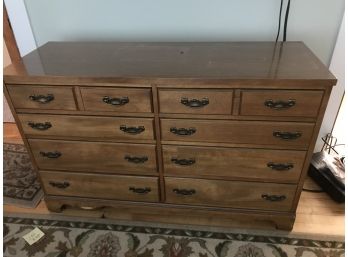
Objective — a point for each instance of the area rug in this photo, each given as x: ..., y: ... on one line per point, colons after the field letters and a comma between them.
x: 21, y: 185
x: 79, y: 238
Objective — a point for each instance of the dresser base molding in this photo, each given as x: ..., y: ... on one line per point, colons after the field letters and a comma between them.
x: 173, y: 214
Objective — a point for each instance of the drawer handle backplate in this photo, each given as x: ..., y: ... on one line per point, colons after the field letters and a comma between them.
x: 135, y: 159
x: 183, y: 131
x: 42, y: 99
x: 273, y: 198
x: 194, y: 103
x: 184, y: 191
x: 60, y: 185
x: 139, y: 190
x: 116, y: 101
x: 40, y: 126
x: 280, y: 105
x: 132, y: 130
x: 183, y: 162
x: 51, y: 155
x: 280, y: 166
x: 287, y: 135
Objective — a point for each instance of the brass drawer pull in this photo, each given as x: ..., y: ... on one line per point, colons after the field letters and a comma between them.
x: 280, y: 105
x: 60, y: 185
x: 184, y: 191
x: 40, y: 126
x: 183, y: 131
x: 139, y: 190
x: 132, y: 130
x: 280, y: 166
x: 183, y: 162
x: 116, y: 101
x: 273, y: 198
x: 287, y: 135
x: 51, y: 155
x: 194, y: 103
x: 42, y: 99
x: 135, y: 159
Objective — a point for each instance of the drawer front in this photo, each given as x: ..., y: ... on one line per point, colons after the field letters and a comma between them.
x: 198, y: 101
x: 42, y: 97
x: 238, y: 163
x: 87, y: 126
x: 116, y: 99
x: 234, y: 194
x: 239, y: 132
x: 94, y: 156
x: 101, y: 186
x: 281, y: 102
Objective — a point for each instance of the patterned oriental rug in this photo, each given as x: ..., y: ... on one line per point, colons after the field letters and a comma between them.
x: 66, y: 236
x: 21, y: 185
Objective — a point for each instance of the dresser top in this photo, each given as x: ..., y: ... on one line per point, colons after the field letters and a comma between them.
x: 225, y: 62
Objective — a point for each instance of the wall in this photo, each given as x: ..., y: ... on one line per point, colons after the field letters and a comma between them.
x: 315, y: 22
x: 6, y: 61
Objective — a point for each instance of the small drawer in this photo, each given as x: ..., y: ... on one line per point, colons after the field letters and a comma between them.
x: 238, y: 132
x: 233, y: 163
x: 87, y: 126
x: 117, y: 99
x: 300, y: 103
x: 101, y: 186
x: 233, y: 194
x: 198, y: 101
x: 94, y: 156
x: 42, y: 97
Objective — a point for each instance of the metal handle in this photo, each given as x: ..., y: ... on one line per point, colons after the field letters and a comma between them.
x: 183, y: 131
x: 116, y: 101
x: 51, y: 155
x: 40, y: 126
x: 280, y: 166
x: 132, y: 130
x: 42, y: 99
x: 194, y: 103
x: 183, y: 162
x: 287, y: 135
x: 135, y: 159
x: 139, y: 190
x: 60, y: 185
x: 280, y: 105
x: 184, y: 191
x: 274, y: 198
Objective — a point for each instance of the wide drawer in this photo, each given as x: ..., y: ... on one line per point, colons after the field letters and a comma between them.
x: 234, y: 194
x: 236, y: 163
x: 94, y: 156
x: 198, y: 101
x: 101, y: 186
x: 281, y: 102
x: 87, y: 126
x: 117, y: 99
x: 42, y: 97
x: 239, y: 132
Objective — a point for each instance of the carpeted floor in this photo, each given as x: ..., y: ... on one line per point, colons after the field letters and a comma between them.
x: 21, y: 185
x: 66, y: 236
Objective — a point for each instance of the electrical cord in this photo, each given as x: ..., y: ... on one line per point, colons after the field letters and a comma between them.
x: 286, y: 20
x: 280, y: 18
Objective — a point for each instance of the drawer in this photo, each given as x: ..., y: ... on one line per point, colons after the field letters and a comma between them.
x: 42, y: 97
x: 234, y: 194
x: 117, y: 99
x: 239, y: 132
x: 94, y: 156
x: 238, y: 163
x: 198, y: 101
x: 100, y: 186
x: 300, y: 103
x: 87, y: 126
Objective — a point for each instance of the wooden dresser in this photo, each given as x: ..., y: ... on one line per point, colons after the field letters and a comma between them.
x: 199, y: 133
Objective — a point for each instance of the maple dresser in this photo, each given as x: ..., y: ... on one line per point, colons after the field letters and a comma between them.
x: 195, y: 133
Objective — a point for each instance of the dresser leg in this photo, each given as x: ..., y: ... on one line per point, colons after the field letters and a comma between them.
x: 285, y: 223
x: 54, y: 206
